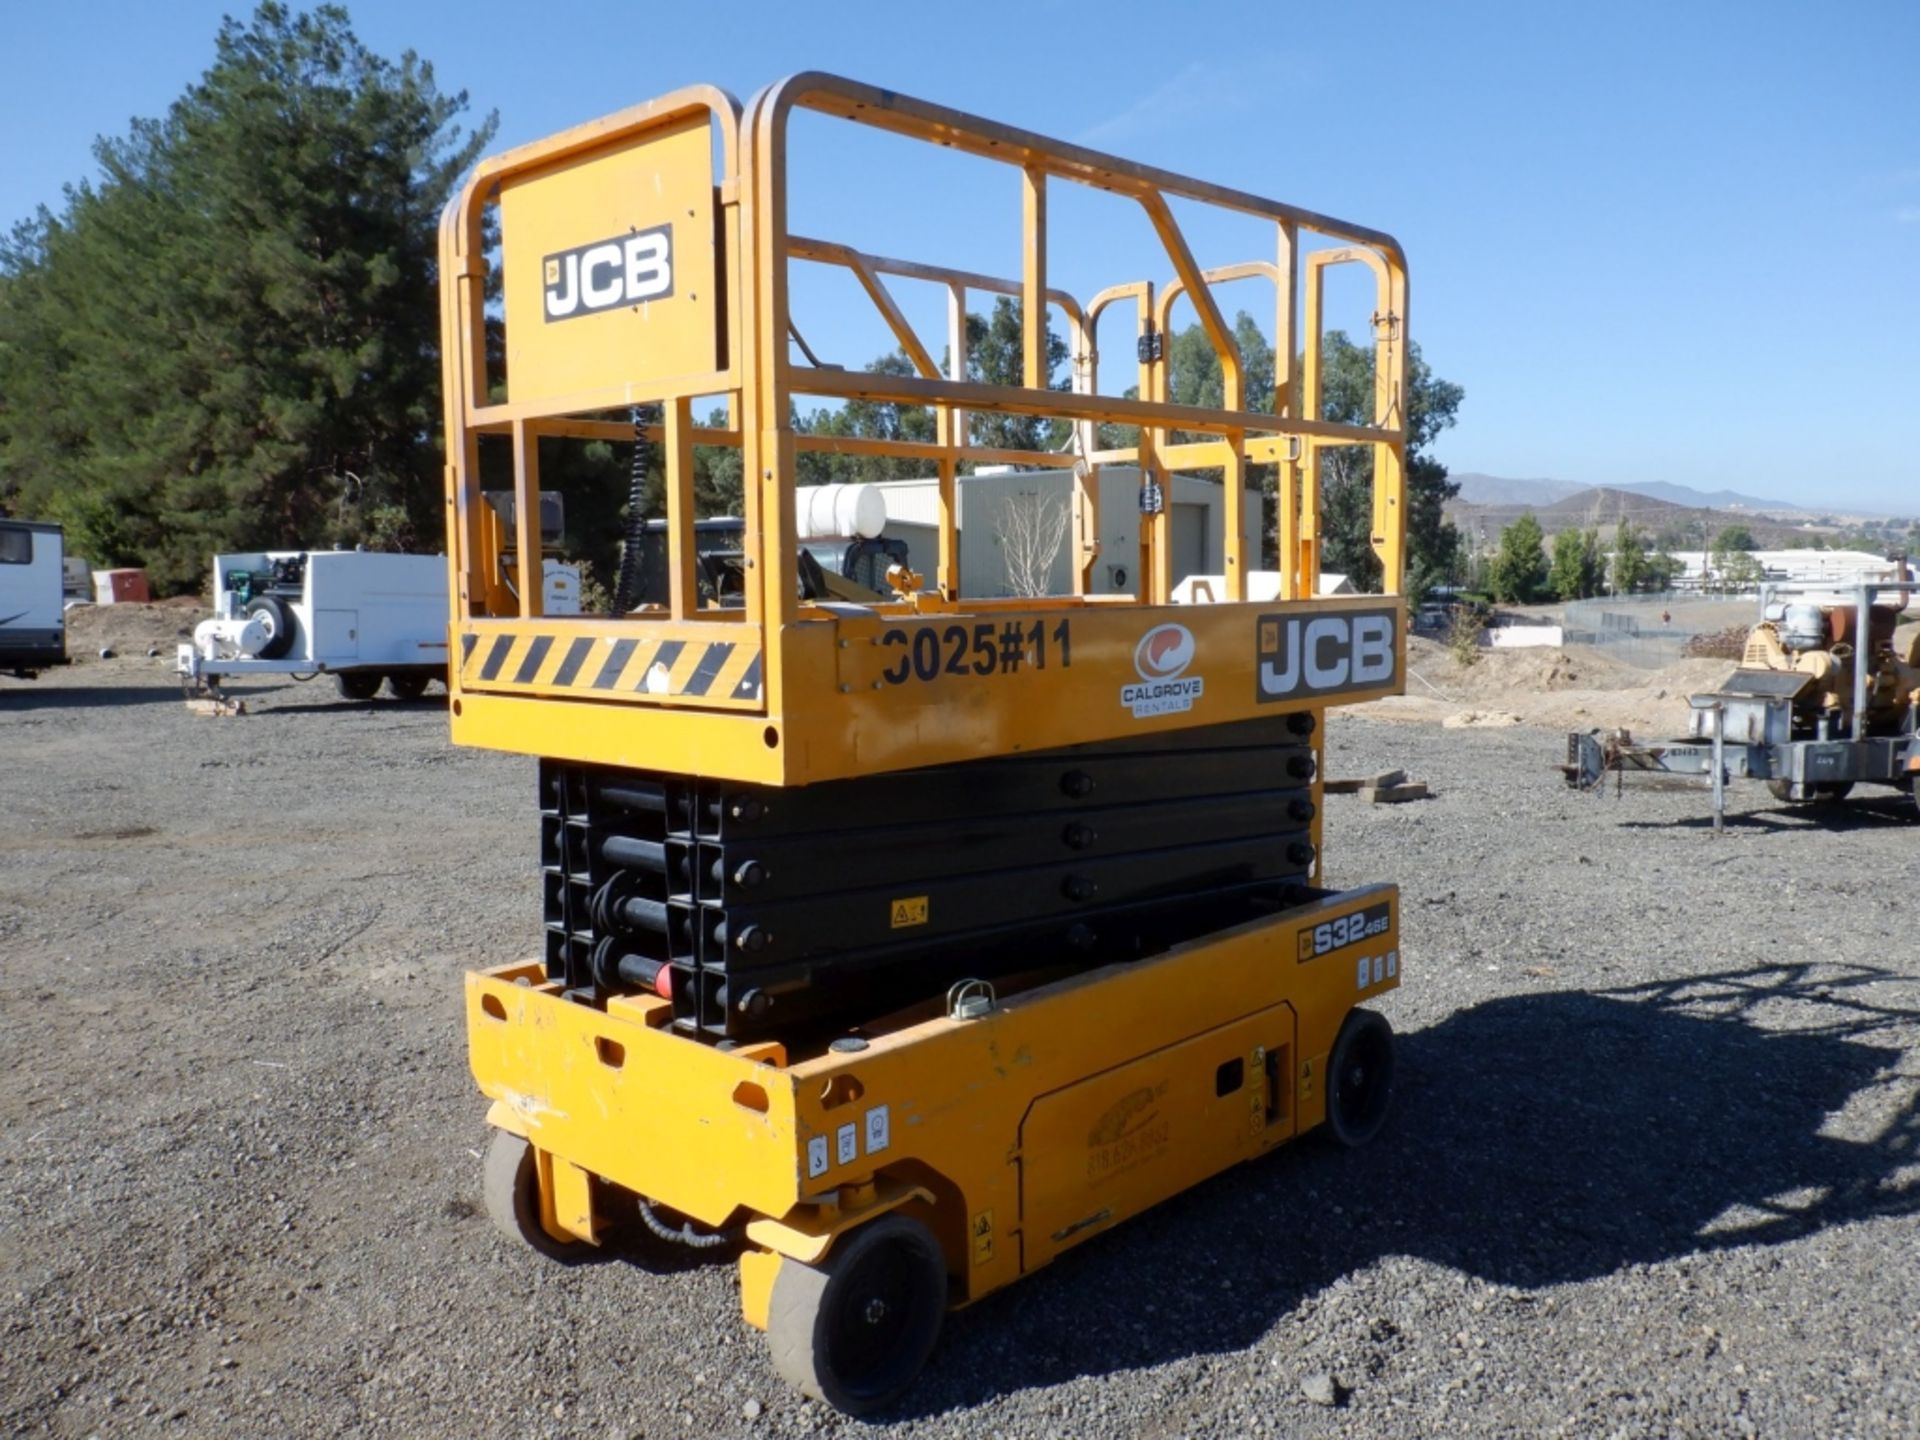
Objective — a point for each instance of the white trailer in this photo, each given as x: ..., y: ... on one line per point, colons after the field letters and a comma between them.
x: 33, y: 627
x: 360, y: 616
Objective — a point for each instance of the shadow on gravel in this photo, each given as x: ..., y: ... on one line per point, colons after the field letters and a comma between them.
x: 331, y: 702
x: 1538, y: 1139
x: 14, y: 699
x: 1883, y: 811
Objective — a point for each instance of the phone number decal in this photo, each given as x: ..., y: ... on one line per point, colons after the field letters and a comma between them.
x: 969, y: 651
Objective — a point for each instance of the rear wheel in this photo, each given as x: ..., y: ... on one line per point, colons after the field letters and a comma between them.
x: 1821, y: 792
x: 511, y: 1189
x: 358, y: 684
x: 407, y: 687
x: 1359, y: 1079
x: 855, y: 1330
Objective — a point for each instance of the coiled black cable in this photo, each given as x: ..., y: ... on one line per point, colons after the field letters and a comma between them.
x: 627, y: 590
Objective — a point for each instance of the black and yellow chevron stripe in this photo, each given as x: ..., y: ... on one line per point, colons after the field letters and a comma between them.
x: 723, y: 673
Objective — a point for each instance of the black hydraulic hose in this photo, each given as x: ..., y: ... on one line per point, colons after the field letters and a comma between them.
x: 626, y: 591
x: 685, y: 1235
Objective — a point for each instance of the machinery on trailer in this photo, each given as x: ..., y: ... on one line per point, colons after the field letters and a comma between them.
x: 901, y: 945
x: 33, y: 625
x: 359, y: 616
x: 1822, y: 701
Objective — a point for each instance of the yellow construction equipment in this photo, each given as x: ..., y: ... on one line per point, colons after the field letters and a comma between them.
x: 900, y: 944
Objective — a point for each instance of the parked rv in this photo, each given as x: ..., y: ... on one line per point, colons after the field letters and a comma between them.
x: 33, y: 627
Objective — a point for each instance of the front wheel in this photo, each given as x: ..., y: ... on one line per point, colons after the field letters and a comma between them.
x: 855, y: 1330
x: 510, y: 1186
x: 358, y: 684
x: 1360, y: 1079
x: 407, y: 687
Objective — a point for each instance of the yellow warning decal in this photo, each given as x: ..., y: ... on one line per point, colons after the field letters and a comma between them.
x: 714, y: 666
x: 909, y: 911
x: 981, y: 1228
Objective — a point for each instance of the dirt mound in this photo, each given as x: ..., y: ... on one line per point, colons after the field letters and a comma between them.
x: 131, y: 630
x: 1727, y: 644
x: 1574, y: 689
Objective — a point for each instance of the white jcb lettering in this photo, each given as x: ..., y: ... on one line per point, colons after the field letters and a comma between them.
x: 1326, y: 654
x: 1372, y: 650
x: 565, y: 300
x: 600, y: 258
x: 647, y: 272
x: 1326, y: 636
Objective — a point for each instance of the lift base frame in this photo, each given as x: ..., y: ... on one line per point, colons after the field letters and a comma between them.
x: 1013, y: 1135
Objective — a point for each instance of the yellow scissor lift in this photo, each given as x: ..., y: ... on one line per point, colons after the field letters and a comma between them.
x: 878, y: 1167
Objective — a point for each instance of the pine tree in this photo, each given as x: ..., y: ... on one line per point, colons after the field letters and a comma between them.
x: 230, y: 339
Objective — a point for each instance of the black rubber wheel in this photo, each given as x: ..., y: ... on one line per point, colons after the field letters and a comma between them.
x: 511, y: 1189
x: 274, y: 615
x: 1825, y: 792
x: 1359, y: 1079
x: 855, y: 1330
x: 358, y: 684
x: 407, y: 687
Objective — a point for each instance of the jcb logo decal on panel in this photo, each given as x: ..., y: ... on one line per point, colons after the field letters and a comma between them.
x: 1161, y: 660
x: 1323, y: 654
x: 609, y: 274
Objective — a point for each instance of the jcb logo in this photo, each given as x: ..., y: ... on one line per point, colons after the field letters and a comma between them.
x: 1323, y: 655
x: 609, y: 274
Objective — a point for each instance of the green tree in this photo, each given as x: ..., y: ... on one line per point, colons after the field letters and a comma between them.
x: 1434, y: 550
x: 1629, y: 560
x: 1732, y: 538
x: 1578, y: 568
x: 1518, y: 573
x: 230, y: 338
x: 994, y: 357
x: 1433, y: 405
x: 1662, y: 569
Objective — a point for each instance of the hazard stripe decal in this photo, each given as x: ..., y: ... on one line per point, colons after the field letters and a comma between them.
x: 577, y: 654
x: 749, y: 686
x: 665, y: 658
x: 496, y: 657
x: 609, y: 675
x: 664, y: 669
x: 701, y: 680
x: 536, y: 653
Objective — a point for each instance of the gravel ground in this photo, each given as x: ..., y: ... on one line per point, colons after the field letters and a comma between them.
x: 1652, y: 1172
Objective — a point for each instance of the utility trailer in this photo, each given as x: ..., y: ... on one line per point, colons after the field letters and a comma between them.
x: 899, y: 946
x: 360, y: 616
x: 33, y: 626
x: 1821, y: 702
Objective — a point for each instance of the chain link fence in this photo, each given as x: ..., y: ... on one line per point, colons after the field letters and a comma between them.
x: 1650, y: 632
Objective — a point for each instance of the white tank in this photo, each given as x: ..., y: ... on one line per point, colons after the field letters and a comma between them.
x: 1804, y: 627
x: 839, y: 512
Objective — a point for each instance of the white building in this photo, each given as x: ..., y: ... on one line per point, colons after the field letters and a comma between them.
x: 1843, y: 568
x: 992, y: 503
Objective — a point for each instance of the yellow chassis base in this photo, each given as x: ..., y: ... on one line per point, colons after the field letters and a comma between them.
x: 1012, y: 1136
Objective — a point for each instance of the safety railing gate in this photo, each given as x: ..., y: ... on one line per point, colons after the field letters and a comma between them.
x: 643, y: 260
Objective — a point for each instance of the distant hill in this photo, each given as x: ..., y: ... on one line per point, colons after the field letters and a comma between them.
x: 1708, y: 499
x: 1604, y: 507
x: 1478, y: 489
x: 1481, y: 489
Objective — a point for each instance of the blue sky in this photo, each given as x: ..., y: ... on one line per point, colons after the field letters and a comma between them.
x: 1653, y: 241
